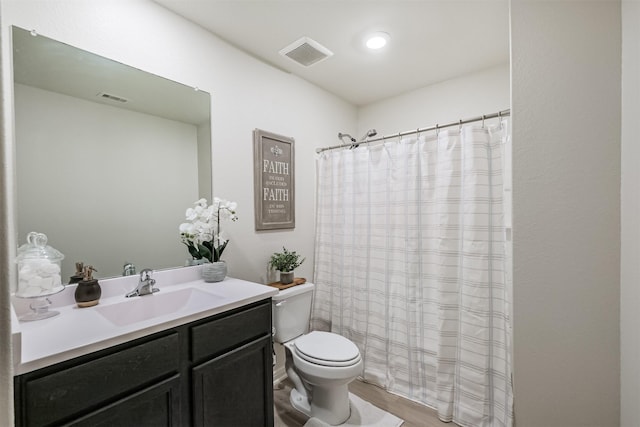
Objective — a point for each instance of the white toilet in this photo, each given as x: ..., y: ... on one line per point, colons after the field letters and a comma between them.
x: 320, y: 364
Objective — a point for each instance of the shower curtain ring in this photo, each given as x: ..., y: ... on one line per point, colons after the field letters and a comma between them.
x: 483, y: 117
x: 460, y: 128
x: 437, y: 129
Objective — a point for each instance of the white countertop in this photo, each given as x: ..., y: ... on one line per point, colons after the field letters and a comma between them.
x: 78, y: 331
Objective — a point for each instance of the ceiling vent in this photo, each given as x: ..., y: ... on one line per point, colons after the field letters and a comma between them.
x: 112, y: 97
x: 306, y: 52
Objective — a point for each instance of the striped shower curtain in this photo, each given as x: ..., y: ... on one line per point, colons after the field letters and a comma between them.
x: 410, y: 265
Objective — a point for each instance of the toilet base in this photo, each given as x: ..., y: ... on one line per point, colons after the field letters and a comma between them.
x: 330, y: 405
x: 300, y: 402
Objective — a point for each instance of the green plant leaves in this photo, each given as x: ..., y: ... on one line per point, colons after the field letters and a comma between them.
x: 285, y: 261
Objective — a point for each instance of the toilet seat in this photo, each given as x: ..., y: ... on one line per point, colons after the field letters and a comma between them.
x: 326, y: 349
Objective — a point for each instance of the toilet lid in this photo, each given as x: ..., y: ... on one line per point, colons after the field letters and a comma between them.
x: 326, y: 348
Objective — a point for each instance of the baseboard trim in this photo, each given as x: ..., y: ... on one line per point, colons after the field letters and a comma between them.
x: 278, y: 375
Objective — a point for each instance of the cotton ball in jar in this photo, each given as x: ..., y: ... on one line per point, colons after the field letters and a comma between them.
x: 57, y: 280
x: 26, y: 273
x: 47, y: 269
x: 35, y: 281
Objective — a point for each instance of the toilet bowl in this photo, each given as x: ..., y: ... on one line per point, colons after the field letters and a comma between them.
x: 325, y: 363
x: 320, y: 364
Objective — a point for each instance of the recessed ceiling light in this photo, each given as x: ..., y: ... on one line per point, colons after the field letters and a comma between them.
x: 377, y: 40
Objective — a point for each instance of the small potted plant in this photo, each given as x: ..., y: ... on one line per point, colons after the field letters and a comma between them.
x: 285, y: 262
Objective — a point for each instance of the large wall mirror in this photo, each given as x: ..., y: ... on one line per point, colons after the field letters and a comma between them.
x: 108, y: 157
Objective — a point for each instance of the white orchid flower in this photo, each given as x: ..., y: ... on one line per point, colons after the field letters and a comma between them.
x: 191, y: 214
x: 187, y: 228
x: 204, y: 224
x: 207, y: 229
x: 208, y: 213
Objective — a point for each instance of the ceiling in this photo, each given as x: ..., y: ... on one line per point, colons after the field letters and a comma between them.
x: 431, y: 40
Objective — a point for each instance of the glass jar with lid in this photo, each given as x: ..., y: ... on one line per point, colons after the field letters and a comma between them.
x: 39, y: 267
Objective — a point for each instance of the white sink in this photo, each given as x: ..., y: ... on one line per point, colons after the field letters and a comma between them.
x: 138, y: 309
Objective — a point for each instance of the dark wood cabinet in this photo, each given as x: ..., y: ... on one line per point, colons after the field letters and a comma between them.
x: 237, y: 376
x: 215, y: 371
x: 155, y: 406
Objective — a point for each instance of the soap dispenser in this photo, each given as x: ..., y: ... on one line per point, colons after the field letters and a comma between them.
x: 79, y: 274
x: 88, y: 291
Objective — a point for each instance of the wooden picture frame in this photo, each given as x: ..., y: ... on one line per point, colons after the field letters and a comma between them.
x: 274, y: 181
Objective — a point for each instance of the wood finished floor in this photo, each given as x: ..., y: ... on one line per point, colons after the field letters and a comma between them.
x: 413, y: 414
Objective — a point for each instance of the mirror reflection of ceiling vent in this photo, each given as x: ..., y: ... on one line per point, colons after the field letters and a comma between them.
x: 112, y: 97
x: 306, y: 52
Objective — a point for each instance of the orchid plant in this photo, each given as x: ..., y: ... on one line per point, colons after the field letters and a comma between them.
x: 202, y: 233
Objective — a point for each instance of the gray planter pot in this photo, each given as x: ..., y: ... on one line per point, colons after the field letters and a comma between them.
x: 214, y: 272
x: 286, y: 277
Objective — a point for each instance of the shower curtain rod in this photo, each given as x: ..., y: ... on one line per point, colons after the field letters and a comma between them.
x: 503, y: 113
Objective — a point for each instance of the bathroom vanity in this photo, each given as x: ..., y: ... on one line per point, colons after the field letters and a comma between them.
x: 207, y: 363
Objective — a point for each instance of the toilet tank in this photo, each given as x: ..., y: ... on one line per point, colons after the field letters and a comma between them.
x: 291, y: 312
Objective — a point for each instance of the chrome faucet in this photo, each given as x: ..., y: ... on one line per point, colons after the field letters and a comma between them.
x: 145, y: 285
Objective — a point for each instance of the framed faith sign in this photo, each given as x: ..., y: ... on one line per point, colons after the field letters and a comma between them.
x: 274, y: 183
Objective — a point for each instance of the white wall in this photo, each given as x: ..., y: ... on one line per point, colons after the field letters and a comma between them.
x: 246, y: 94
x: 566, y: 187
x: 630, y: 231
x: 462, y: 97
x: 121, y: 180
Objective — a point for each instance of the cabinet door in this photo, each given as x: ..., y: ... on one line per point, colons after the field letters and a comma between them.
x: 156, y: 406
x: 235, y: 389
